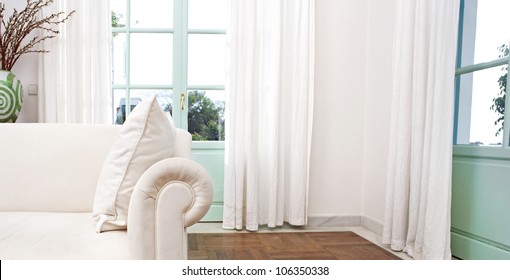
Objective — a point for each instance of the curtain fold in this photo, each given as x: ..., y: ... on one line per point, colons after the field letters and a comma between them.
x: 269, y: 112
x: 75, y: 76
x: 418, y: 198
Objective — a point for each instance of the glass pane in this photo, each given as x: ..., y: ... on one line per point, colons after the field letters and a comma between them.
x: 479, y: 120
x: 152, y: 13
x: 207, y: 14
x: 119, y: 14
x: 164, y: 97
x: 485, y: 29
x: 206, y: 115
x: 119, y: 58
x: 119, y: 101
x: 151, y: 59
x: 206, y: 59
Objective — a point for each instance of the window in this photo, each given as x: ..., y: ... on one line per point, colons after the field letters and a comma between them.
x: 482, y: 62
x: 176, y: 50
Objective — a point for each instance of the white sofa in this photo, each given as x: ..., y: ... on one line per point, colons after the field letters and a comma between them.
x: 48, y: 177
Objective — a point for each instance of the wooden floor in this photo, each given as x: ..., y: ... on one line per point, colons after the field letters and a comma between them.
x: 284, y: 246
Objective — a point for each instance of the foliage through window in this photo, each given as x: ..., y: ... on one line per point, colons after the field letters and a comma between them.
x: 498, y: 104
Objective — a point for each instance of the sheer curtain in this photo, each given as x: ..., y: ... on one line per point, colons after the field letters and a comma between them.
x: 417, y: 216
x: 269, y: 112
x: 74, y: 77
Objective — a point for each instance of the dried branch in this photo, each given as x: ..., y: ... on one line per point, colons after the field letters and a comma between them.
x: 20, y: 25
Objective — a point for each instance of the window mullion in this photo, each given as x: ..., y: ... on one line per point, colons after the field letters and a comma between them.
x: 481, y: 66
x: 180, y: 57
x: 128, y: 57
x: 207, y: 31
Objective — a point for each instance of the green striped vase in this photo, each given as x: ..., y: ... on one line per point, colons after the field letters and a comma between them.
x: 11, y: 97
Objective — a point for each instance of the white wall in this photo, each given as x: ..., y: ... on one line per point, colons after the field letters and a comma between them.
x: 377, y: 106
x: 352, y: 107
x: 340, y: 85
x: 26, y: 69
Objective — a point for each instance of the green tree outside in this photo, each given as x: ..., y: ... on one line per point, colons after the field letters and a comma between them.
x: 498, y: 104
x: 205, y: 117
x: 115, y: 23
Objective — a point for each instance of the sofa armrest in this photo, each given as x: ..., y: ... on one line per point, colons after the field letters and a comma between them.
x: 171, y: 195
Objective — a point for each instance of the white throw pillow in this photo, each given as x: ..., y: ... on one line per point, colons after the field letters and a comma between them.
x: 146, y: 137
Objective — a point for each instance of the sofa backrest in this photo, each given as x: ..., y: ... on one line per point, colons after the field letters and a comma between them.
x: 55, y: 167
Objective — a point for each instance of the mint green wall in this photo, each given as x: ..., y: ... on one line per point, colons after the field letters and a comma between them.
x: 481, y: 203
x: 211, y: 156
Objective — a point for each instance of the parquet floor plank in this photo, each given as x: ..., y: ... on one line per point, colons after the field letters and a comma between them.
x: 284, y: 246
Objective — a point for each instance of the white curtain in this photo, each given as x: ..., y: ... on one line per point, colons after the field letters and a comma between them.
x: 74, y: 77
x: 269, y: 112
x: 418, y: 199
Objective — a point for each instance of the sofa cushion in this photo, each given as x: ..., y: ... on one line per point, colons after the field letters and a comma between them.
x: 57, y: 236
x: 52, y: 167
x: 146, y: 137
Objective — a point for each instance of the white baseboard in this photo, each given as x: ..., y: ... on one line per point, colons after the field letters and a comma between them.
x: 372, y: 225
x: 333, y: 221
x: 318, y: 221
